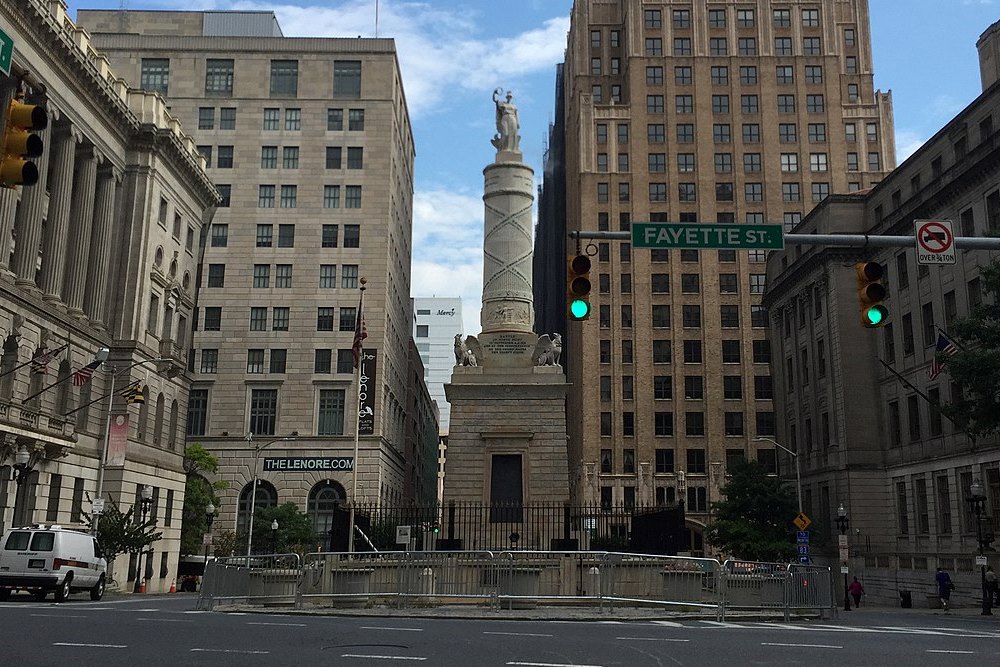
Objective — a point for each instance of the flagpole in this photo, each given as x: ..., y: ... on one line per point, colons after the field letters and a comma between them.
x: 30, y: 361
x: 357, y: 422
x: 376, y: 19
x: 56, y: 383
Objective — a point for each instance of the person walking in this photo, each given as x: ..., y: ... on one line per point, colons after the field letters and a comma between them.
x: 945, y: 587
x: 991, y: 584
x: 856, y: 590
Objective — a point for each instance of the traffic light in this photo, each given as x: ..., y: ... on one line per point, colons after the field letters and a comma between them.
x: 20, y: 142
x: 578, y: 287
x: 871, y: 293
x: 436, y: 528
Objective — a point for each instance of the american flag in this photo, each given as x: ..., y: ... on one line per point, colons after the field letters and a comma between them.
x: 84, y: 375
x: 40, y: 362
x: 360, y: 333
x: 946, y: 347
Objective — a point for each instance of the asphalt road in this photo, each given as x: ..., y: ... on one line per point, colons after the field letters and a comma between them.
x: 167, y: 631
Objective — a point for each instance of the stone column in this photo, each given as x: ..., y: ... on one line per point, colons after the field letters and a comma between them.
x: 82, y: 223
x: 507, y: 246
x: 95, y: 306
x: 64, y: 140
x: 30, y: 212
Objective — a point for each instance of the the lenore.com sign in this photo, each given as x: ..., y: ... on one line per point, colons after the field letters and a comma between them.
x: 293, y: 463
x: 366, y: 394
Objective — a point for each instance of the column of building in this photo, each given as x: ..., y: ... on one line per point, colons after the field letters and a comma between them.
x: 81, y: 225
x: 95, y: 304
x: 65, y: 140
x: 30, y: 213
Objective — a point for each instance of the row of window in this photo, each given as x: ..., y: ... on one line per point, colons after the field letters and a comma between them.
x: 154, y: 74
x: 656, y: 133
x: 656, y: 163
x: 662, y: 351
x: 323, y: 361
x: 696, y: 461
x: 325, y: 318
x: 261, y: 278
x: 331, y: 238
x: 684, y: 74
x: 929, y: 328
x: 289, y: 157
x: 694, y: 388
x: 660, y: 283
x: 724, y: 192
x: 745, y: 18
x: 729, y: 316
x: 694, y: 424
x: 287, y: 196
x: 942, y: 500
x: 272, y: 119
x: 263, y: 415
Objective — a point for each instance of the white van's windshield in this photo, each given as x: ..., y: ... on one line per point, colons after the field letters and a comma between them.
x: 17, y: 541
x: 43, y: 541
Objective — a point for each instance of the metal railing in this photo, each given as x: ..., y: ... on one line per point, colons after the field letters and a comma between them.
x: 517, y: 579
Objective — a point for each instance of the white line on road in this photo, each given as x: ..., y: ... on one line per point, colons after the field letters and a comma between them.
x: 651, y: 639
x: 933, y: 650
x: 145, y: 610
x: 721, y: 624
x: 377, y: 627
x: 283, y: 625
x: 227, y: 650
x: 381, y: 657
x: 167, y: 620
x: 517, y: 634
x: 91, y: 645
x: 549, y: 664
x: 799, y: 645
x: 670, y: 624
x: 56, y: 616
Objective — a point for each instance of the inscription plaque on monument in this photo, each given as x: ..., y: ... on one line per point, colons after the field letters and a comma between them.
x: 506, y: 344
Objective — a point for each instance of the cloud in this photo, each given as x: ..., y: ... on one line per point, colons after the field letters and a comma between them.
x: 439, y: 51
x: 907, y: 143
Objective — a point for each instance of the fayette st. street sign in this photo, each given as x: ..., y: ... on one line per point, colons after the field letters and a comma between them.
x: 684, y: 236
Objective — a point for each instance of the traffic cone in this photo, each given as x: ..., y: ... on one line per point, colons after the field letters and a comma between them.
x: 142, y: 586
x: 173, y: 586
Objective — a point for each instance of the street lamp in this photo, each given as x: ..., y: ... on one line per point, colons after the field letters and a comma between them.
x: 145, y: 503
x: 210, y: 513
x: 843, y: 524
x: 978, y: 499
x: 274, y: 536
x: 257, y: 449
x: 795, y: 456
x: 22, y: 468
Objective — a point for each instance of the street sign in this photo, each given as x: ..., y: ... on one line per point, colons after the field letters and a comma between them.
x: 97, y: 506
x: 842, y: 540
x: 672, y: 235
x: 843, y: 569
x: 804, y: 560
x: 803, y: 549
x: 980, y: 561
x: 845, y: 554
x: 935, y: 242
x: 802, y: 537
x: 206, y: 540
x: 402, y: 534
x: 802, y: 521
x: 6, y: 52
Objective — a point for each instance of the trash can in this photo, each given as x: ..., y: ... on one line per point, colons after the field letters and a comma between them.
x: 905, y: 599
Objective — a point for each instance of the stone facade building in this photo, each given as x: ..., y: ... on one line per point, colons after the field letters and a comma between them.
x: 679, y: 111
x: 860, y: 405
x: 309, y: 141
x: 100, y: 253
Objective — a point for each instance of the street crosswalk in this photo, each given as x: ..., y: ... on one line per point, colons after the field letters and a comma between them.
x: 970, y: 632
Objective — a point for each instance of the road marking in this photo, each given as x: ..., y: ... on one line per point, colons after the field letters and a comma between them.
x: 90, y: 645
x: 167, y: 620
x: 549, y: 664
x: 381, y: 657
x: 517, y: 634
x: 799, y: 645
x: 56, y: 616
x: 377, y: 627
x: 145, y: 610
x: 933, y: 650
x: 194, y: 612
x: 283, y: 625
x: 227, y: 650
x: 722, y: 624
x: 669, y: 624
x: 651, y: 639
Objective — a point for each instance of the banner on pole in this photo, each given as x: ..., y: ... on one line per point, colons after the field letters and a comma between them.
x: 366, y: 393
x: 117, y: 441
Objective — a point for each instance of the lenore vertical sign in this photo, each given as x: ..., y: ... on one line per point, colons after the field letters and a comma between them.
x: 366, y: 393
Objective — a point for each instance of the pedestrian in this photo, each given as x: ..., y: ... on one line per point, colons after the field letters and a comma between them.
x: 991, y: 584
x: 945, y: 587
x: 856, y: 590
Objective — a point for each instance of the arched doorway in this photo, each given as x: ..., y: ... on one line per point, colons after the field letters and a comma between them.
x: 267, y: 496
x: 324, y: 500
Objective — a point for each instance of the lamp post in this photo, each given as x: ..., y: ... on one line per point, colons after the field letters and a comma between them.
x: 843, y: 524
x: 22, y: 468
x: 978, y: 499
x: 274, y: 536
x: 795, y: 456
x: 145, y: 502
x: 210, y: 513
x: 257, y: 449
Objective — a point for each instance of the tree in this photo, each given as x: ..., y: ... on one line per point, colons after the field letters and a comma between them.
x: 295, y: 530
x: 754, y: 521
x: 198, y: 493
x: 975, y: 368
x: 122, y: 532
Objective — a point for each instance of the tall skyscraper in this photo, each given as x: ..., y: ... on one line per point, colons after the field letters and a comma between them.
x: 680, y: 111
x: 435, y: 323
x: 309, y: 140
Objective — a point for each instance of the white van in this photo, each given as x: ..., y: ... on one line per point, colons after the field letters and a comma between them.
x: 51, y: 558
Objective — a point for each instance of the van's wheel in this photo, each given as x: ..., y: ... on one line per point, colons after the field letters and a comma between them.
x: 64, y: 589
x: 97, y: 592
x: 4, y: 594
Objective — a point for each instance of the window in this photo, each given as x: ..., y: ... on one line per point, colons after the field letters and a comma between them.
x: 720, y: 104
x: 820, y: 191
x: 717, y: 18
x: 595, y: 39
x: 321, y: 361
x: 258, y: 318
x: 206, y: 118
x: 213, y: 318
x: 723, y: 163
x: 791, y: 192
x: 345, y: 361
x: 849, y: 37
x: 652, y: 18
x: 209, y: 361
x: 220, y: 235
x: 261, y: 275
x: 730, y: 316
x: 750, y: 104
x: 216, y: 275
x: 720, y: 75
x: 746, y: 46
x: 268, y: 157
x: 874, y: 162
x: 907, y: 324
x: 734, y: 423
x: 681, y: 18
x: 352, y: 236
x: 290, y: 157
x: 814, y: 74
x: 682, y: 46
x: 661, y: 352
x: 852, y: 92
x: 815, y: 104
x: 718, y: 46
x: 783, y: 46
x: 685, y: 162
x: 334, y: 120
x: 694, y: 425
x: 155, y: 75
x: 283, y: 276
x: 787, y: 133
x: 255, y: 361
x: 218, y: 77
x: 328, y: 276
x: 356, y: 120
x: 730, y: 351
x: 811, y: 46
x: 722, y: 133
x: 748, y: 75
x: 352, y: 198
x: 331, y: 199
x: 661, y: 316
x: 331, y: 412
x: 293, y: 119
x: 789, y: 162
x: 271, y: 119
x: 265, y: 197
x: 284, y: 78
x: 785, y: 74
x: 279, y: 319
x: 225, y: 191
x: 817, y: 133
x: 685, y: 133
x: 324, y: 319
x: 691, y: 316
x: 782, y: 18
x: 286, y: 236
x: 197, y: 414
x: 683, y: 76
x: 732, y: 388
x: 692, y: 352
x: 654, y: 47
x: 943, y: 505
x: 657, y: 162
x: 289, y: 196
x: 263, y: 411
x: 684, y: 103
x: 349, y: 276
x: 786, y: 103
x: 347, y: 78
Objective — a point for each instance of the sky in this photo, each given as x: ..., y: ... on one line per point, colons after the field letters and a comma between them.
x: 454, y: 53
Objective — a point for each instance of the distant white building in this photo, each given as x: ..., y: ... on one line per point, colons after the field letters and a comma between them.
x: 435, y: 323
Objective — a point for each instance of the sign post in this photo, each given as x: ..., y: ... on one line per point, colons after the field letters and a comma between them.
x: 6, y: 52
x: 690, y: 236
x: 935, y: 242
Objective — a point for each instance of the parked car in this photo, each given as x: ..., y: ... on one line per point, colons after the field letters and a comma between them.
x: 42, y: 559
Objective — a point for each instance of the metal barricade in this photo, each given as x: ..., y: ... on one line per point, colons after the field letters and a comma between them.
x: 667, y: 581
x: 266, y: 579
x: 523, y: 578
x: 809, y: 588
x: 753, y: 585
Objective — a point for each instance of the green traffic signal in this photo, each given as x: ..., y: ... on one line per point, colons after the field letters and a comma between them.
x: 876, y: 314
x: 579, y: 308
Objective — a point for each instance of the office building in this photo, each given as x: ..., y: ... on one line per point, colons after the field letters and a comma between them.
x: 436, y: 322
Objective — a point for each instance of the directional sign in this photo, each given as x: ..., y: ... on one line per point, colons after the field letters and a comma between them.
x: 802, y: 521
x: 935, y: 242
x: 804, y: 560
x: 803, y: 549
x: 671, y: 235
x: 6, y: 52
x: 802, y: 537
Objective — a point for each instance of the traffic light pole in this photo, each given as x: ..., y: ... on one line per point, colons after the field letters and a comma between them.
x: 835, y: 240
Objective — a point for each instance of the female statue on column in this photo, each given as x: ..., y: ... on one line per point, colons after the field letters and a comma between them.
x: 508, y: 124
